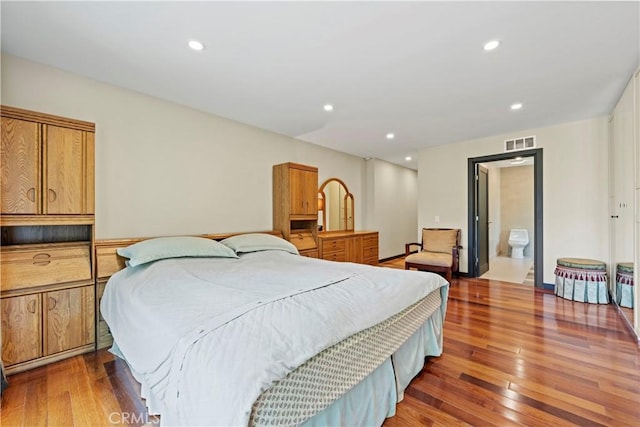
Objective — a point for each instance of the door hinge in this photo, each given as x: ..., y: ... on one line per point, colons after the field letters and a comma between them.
x: 477, y: 218
x: 477, y: 177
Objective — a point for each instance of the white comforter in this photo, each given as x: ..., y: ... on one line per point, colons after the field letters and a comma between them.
x: 206, y: 336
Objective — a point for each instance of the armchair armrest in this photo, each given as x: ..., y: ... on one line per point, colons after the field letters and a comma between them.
x: 455, y: 252
x: 407, y: 247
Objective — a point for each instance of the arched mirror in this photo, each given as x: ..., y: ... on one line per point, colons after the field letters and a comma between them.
x: 335, y: 206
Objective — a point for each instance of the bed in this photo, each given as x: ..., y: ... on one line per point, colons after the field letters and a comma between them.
x: 255, y: 334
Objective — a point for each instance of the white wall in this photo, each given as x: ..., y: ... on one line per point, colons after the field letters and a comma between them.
x: 517, y: 206
x: 495, y: 225
x: 392, y: 205
x: 164, y: 169
x: 624, y: 146
x: 574, y: 185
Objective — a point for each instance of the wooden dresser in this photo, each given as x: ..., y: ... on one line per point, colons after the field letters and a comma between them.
x: 47, y: 294
x: 349, y: 246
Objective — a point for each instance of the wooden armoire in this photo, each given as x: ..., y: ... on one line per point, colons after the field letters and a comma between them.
x: 47, y: 292
x: 295, y: 205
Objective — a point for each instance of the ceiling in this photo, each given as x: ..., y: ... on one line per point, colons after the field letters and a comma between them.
x: 416, y: 69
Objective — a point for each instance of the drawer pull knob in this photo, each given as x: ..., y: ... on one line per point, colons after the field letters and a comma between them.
x: 41, y: 259
x: 31, y: 307
x: 31, y: 194
x: 52, y: 195
x: 52, y: 303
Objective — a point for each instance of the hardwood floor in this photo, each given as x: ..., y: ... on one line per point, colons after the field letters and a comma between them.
x: 516, y: 356
x: 512, y: 356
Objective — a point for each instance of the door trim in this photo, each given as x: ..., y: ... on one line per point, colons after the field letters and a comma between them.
x: 482, y: 212
x: 538, y: 254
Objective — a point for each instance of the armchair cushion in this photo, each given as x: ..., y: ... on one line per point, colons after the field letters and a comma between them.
x: 439, y: 240
x: 431, y: 258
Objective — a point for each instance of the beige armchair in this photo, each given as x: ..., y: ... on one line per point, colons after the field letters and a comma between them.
x: 439, y: 251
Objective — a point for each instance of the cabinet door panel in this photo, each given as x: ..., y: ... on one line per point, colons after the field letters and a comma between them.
x: 354, y: 249
x: 298, y: 188
x: 304, y: 192
x: 21, y: 329
x: 64, y: 190
x: 311, y: 192
x: 69, y: 319
x: 20, y: 187
x: 89, y: 191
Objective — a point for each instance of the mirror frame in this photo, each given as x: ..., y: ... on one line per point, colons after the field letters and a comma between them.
x: 348, y: 198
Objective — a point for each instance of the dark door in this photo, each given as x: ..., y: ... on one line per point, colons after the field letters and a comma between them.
x: 482, y: 219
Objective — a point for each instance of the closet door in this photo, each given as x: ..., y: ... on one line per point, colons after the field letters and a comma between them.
x: 20, y: 187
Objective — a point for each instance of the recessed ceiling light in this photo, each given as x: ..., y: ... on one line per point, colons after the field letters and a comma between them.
x: 328, y: 107
x: 390, y: 135
x: 491, y: 44
x: 408, y: 158
x: 195, y: 45
x: 516, y: 106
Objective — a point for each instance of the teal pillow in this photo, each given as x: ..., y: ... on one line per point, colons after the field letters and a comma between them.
x: 254, y: 242
x: 174, y: 247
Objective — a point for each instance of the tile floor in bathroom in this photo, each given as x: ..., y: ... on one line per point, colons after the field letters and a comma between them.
x: 509, y: 270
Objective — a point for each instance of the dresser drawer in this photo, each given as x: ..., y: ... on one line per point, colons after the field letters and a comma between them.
x: 370, y: 252
x: 104, y: 338
x: 334, y: 256
x: 370, y: 260
x: 310, y: 253
x: 370, y: 241
x: 332, y: 245
x: 103, y: 328
x: 26, y: 266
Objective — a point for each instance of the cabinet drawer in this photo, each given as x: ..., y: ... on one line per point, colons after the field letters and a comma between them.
x: 108, y: 262
x: 27, y: 266
x: 303, y: 239
x: 332, y: 245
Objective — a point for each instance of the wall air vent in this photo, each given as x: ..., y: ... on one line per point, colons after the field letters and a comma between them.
x: 524, y: 143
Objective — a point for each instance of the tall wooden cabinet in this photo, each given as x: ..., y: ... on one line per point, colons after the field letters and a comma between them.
x: 47, y: 294
x: 295, y: 205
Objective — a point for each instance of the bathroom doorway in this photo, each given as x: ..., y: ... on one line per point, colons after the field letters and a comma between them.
x: 505, y: 217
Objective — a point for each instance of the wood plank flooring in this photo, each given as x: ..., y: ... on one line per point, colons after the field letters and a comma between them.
x: 512, y: 356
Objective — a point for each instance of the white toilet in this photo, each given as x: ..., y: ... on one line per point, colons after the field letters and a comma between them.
x: 518, y: 239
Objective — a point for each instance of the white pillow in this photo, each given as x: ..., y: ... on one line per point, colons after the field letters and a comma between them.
x: 174, y: 247
x: 254, y: 242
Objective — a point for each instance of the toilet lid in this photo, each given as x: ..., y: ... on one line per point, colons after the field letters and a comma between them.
x: 583, y: 263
